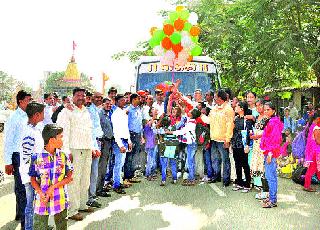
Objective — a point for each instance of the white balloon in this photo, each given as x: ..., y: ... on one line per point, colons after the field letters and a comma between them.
x: 193, y: 18
x: 158, y: 50
x: 186, y: 41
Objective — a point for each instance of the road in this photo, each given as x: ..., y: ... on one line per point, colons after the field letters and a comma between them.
x: 204, y: 206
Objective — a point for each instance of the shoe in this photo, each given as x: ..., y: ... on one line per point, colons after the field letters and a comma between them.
x: 309, y: 189
x: 119, y: 190
x: 134, y: 180
x: 123, y: 186
x: 245, y: 190
x: 94, y: 204
x: 163, y: 183
x: 17, y: 218
x: 88, y: 210
x: 215, y: 180
x: 262, y: 196
x: 76, y: 217
x: 226, y: 184
x: 237, y: 188
x: 269, y: 205
x: 126, y: 182
x: 103, y: 194
x: 150, y: 178
x: 174, y: 182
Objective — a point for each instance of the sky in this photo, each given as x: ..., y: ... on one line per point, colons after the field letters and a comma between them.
x: 37, y: 35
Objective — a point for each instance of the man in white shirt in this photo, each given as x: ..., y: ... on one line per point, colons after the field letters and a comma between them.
x: 122, y: 143
x: 158, y: 105
x: 78, y: 142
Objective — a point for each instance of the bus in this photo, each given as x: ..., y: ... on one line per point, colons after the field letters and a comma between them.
x: 201, y: 73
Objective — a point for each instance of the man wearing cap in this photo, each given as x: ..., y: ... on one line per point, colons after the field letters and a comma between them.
x: 159, y: 103
x: 12, y: 148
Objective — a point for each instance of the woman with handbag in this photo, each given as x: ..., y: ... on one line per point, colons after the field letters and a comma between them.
x: 240, y: 145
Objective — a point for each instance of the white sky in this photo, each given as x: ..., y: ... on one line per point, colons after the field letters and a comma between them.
x: 37, y: 35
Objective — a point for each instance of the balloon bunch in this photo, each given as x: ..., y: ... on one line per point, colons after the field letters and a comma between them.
x: 177, y: 41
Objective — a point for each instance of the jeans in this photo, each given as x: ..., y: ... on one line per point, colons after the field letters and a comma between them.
x: 208, y: 159
x: 118, y: 164
x: 93, y: 178
x: 41, y: 222
x: 132, y: 160
x: 164, y: 164
x: 220, y: 154
x: 109, y: 173
x: 29, y: 206
x: 272, y: 178
x: 19, y: 189
x: 191, y: 152
x: 151, y: 161
x: 103, y: 162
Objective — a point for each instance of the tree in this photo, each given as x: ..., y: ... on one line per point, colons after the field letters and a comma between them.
x: 55, y: 83
x: 10, y: 86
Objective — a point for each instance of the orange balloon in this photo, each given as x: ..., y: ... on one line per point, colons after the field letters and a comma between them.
x: 195, y: 31
x: 168, y: 29
x: 179, y: 24
x: 177, y: 48
x: 190, y: 58
x: 166, y: 43
x: 152, y: 30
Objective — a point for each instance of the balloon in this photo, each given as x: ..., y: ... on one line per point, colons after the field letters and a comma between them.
x: 168, y: 29
x: 152, y: 30
x: 190, y: 58
x: 158, y: 50
x: 180, y: 8
x: 168, y: 58
x: 195, y: 39
x: 173, y: 16
x: 196, y: 51
x: 193, y: 18
x: 187, y: 26
x: 166, y: 43
x: 177, y: 48
x: 183, y: 54
x: 179, y: 24
x: 158, y: 35
x: 184, y: 14
x: 175, y: 38
x: 186, y: 41
x: 195, y: 31
x: 153, y: 42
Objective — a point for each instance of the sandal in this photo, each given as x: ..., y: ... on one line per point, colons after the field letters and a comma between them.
x: 269, y: 204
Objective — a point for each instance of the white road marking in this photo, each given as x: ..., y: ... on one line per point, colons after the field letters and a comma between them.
x: 217, y: 190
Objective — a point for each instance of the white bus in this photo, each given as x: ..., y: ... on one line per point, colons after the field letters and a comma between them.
x: 201, y: 73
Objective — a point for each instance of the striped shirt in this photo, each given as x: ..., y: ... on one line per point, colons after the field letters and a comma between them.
x: 48, y: 170
x: 32, y: 142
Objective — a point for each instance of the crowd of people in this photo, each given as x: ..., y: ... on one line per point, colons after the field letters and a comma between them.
x: 98, y: 144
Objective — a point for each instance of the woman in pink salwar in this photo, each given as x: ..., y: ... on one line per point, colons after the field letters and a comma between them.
x: 312, y: 154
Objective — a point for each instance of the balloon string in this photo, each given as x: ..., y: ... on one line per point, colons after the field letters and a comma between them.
x: 172, y: 74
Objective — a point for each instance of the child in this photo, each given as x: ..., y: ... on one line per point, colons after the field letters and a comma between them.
x: 167, y: 151
x: 150, y: 146
x: 50, y: 171
x: 32, y: 143
x: 189, y: 137
x: 270, y: 143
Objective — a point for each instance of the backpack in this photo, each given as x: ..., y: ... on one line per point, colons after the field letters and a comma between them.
x: 299, y: 144
x: 298, y: 174
x: 202, y: 134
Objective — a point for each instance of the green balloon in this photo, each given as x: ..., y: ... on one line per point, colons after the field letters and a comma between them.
x: 184, y: 14
x: 195, y: 39
x: 196, y: 51
x: 168, y: 21
x: 187, y: 26
x: 158, y: 35
x: 153, y: 42
x: 175, y: 38
x: 173, y: 16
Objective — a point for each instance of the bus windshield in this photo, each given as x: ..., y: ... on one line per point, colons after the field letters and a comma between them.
x: 198, y: 74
